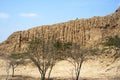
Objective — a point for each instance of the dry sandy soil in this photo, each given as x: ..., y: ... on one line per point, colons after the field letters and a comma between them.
x: 91, y: 70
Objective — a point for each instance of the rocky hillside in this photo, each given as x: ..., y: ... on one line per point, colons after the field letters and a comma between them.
x: 89, y: 30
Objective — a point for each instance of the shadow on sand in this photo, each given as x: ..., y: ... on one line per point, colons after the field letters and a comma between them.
x: 21, y: 77
x: 18, y: 77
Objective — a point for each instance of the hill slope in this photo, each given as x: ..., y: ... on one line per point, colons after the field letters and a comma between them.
x: 93, y: 28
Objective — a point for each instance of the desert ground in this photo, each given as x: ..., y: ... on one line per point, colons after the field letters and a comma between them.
x: 63, y: 70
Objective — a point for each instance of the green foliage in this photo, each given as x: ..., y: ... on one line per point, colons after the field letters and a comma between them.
x: 67, y: 45
x: 19, y: 55
x: 113, y: 41
x: 16, y: 56
x: 57, y: 45
x: 62, y: 45
x: 35, y: 42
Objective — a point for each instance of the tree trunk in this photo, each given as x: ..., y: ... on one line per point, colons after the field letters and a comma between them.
x: 78, y: 72
x: 50, y: 72
x: 13, y: 68
x: 43, y: 76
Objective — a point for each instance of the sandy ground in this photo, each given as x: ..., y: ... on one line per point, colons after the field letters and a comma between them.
x: 91, y: 70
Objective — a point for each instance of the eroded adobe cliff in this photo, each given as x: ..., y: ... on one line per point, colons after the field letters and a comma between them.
x: 89, y: 30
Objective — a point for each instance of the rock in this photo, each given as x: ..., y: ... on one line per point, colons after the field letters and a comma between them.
x: 118, y: 10
x: 89, y: 30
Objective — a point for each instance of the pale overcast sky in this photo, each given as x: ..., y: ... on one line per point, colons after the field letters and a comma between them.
x: 18, y: 15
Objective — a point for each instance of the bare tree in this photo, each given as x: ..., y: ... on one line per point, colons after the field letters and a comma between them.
x: 13, y: 60
x: 44, y: 54
x: 77, y: 55
x: 16, y: 59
